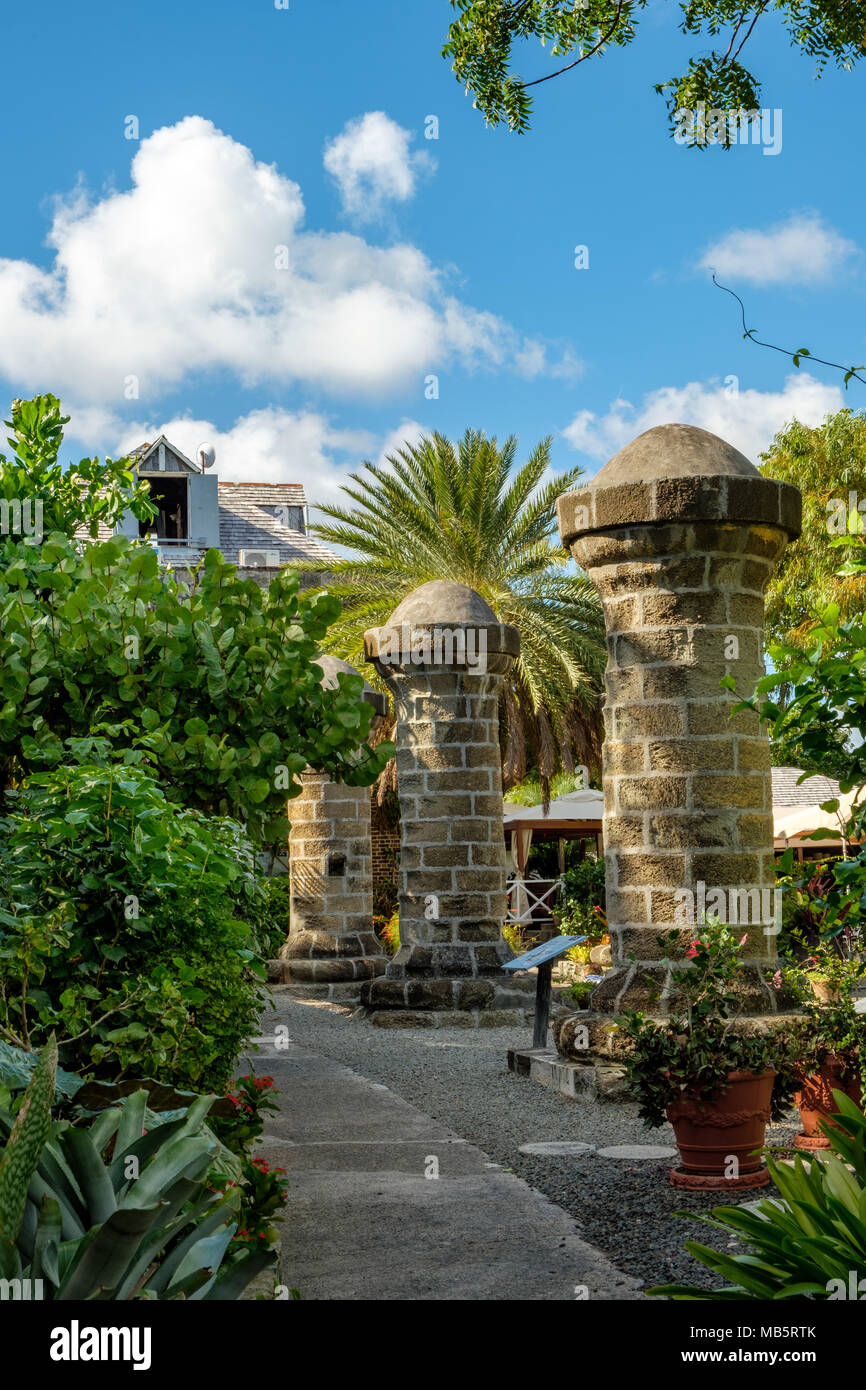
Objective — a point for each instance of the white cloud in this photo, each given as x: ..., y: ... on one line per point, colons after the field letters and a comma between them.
x: 203, y: 265
x: 372, y: 165
x: 803, y: 250
x: 747, y: 419
x: 271, y: 445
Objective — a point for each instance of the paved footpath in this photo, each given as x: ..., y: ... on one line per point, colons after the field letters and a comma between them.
x: 365, y: 1222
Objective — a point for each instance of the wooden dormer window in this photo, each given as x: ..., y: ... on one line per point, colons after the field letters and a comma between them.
x: 169, y: 493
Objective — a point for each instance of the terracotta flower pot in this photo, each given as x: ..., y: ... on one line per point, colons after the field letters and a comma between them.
x: 730, y: 1124
x: 815, y: 1101
x: 824, y: 991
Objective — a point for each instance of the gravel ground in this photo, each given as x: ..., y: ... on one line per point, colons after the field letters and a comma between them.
x: 461, y: 1078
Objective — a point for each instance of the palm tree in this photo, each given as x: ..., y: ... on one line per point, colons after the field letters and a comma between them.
x: 444, y: 512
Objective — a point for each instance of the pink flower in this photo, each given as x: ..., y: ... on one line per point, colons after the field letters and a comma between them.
x: 692, y: 951
x: 744, y: 938
x: 777, y: 980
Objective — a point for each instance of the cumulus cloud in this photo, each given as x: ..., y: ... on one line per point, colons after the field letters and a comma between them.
x: 802, y: 250
x: 373, y: 165
x: 747, y: 419
x: 270, y: 445
x: 204, y: 265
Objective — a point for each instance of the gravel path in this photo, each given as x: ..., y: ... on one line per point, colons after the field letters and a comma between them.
x: 460, y: 1077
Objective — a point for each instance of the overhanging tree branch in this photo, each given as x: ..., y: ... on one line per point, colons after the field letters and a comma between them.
x: 795, y: 355
x: 608, y: 34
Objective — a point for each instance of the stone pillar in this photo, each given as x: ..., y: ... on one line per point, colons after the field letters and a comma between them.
x: 332, y: 947
x: 444, y: 655
x: 680, y: 534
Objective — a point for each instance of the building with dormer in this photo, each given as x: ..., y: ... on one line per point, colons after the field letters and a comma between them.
x: 260, y: 527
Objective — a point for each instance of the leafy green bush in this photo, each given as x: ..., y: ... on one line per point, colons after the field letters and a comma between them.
x: 693, y: 1050
x: 269, y: 915
x: 119, y: 1209
x: 819, y: 709
x: 580, y: 909
x: 810, y: 1241
x: 218, y: 682
x: 584, y: 882
x: 827, y: 1023
x: 124, y: 925
x: 80, y: 498
x: 262, y: 1188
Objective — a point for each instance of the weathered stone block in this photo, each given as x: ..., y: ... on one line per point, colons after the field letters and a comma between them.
x: 713, y: 716
x: 692, y: 755
x: 439, y: 855
x: 641, y: 870
x: 690, y: 831
x: 639, y: 721
x: 627, y: 831
x: 623, y: 757
x: 475, y: 994
x: 626, y: 905
x: 678, y: 608
x: 725, y: 869
x: 712, y: 791
x: 651, y: 793
x: 753, y: 754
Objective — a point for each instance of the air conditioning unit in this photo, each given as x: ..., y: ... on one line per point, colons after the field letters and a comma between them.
x: 259, y: 559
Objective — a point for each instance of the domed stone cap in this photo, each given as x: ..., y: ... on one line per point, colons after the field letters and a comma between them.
x: 441, y: 606
x: 678, y: 473
x: 675, y: 451
x: 331, y: 668
x: 443, y: 601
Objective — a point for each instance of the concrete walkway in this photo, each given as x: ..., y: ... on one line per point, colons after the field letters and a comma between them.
x: 365, y: 1222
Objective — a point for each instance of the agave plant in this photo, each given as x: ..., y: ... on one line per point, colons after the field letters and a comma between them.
x: 810, y: 1241
x: 115, y: 1209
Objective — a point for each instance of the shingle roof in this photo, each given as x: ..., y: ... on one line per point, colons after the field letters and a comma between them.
x: 245, y: 525
x: 812, y: 792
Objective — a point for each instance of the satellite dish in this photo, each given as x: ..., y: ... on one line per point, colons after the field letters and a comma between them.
x: 206, y: 455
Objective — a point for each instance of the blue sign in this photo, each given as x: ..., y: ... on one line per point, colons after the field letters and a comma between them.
x: 548, y: 951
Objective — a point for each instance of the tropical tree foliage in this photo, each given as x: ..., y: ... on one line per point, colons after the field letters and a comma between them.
x: 466, y: 513
x: 481, y: 43
x: 217, y: 684
x: 828, y: 464
x: 76, y: 500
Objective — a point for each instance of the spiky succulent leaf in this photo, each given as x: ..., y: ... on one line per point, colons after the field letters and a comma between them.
x: 26, y: 1141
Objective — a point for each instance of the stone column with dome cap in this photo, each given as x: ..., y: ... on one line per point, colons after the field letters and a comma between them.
x: 444, y: 655
x: 680, y: 535
x: 332, y: 947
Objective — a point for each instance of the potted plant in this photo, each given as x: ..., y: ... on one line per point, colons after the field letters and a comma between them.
x: 827, y: 1043
x: 714, y: 1081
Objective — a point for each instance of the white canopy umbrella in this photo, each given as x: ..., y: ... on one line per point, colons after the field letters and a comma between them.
x: 569, y: 814
x: 791, y: 825
x: 574, y: 806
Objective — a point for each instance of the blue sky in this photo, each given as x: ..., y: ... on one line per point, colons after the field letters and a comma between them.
x: 148, y: 294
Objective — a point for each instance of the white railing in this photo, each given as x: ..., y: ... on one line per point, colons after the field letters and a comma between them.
x: 526, y: 897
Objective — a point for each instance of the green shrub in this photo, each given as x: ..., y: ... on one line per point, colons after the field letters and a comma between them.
x: 125, y: 926
x: 584, y: 882
x: 580, y: 910
x: 694, y: 1049
x: 218, y: 682
x: 262, y: 1188
x: 269, y: 916
x: 827, y: 1024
